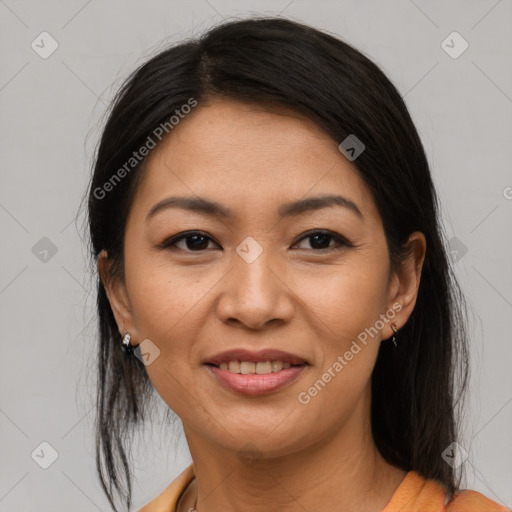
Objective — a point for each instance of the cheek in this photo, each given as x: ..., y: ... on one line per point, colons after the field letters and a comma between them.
x: 345, y: 311
x: 164, y: 305
x: 165, y: 310
x: 346, y: 301
x: 344, y: 308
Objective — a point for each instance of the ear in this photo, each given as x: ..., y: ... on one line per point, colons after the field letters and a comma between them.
x: 404, y: 284
x: 117, y: 294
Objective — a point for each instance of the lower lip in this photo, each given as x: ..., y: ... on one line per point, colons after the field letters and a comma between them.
x: 256, y: 384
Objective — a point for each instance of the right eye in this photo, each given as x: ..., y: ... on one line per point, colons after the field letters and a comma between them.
x: 195, y: 241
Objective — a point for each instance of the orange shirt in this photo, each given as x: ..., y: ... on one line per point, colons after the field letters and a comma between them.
x: 414, y: 494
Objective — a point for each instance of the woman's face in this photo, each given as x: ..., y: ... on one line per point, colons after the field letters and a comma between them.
x: 260, y: 278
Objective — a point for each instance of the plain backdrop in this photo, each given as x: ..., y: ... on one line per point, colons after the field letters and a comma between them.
x: 51, y: 111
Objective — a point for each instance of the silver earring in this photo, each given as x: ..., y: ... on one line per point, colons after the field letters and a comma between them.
x: 126, y: 343
x: 393, y: 339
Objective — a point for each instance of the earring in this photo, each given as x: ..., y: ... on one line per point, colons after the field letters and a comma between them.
x: 393, y: 326
x: 126, y: 343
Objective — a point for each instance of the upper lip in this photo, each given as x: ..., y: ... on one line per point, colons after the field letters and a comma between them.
x: 242, y: 354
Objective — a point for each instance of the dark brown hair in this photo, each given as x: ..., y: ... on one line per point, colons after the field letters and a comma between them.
x: 415, y: 390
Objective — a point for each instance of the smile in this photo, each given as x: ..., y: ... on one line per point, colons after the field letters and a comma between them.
x: 250, y: 378
x: 261, y: 367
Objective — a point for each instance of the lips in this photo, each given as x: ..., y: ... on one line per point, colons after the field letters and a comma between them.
x: 254, y: 384
x: 242, y: 354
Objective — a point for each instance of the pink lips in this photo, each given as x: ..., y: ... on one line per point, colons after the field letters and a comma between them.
x: 256, y: 384
x: 242, y: 354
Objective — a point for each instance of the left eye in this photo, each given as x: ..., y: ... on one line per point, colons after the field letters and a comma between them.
x: 197, y: 242
x: 322, y: 238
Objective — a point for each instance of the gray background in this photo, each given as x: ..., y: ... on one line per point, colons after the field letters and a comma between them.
x: 50, y: 122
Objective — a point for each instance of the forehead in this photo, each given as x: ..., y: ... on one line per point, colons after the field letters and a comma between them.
x: 249, y: 157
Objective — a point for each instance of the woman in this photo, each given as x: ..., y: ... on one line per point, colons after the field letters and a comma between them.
x: 271, y: 260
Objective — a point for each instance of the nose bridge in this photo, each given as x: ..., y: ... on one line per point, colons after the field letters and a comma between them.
x: 255, y: 293
x: 253, y: 270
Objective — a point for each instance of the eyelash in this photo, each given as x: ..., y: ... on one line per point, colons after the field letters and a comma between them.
x: 170, y: 243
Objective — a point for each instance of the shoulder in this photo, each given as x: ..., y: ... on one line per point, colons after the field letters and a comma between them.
x: 419, y: 494
x: 473, y: 501
x: 167, y: 500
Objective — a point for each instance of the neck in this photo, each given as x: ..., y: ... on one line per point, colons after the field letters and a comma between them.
x: 342, y: 471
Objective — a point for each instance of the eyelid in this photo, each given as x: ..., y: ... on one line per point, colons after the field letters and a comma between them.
x: 340, y: 241
x: 169, y: 243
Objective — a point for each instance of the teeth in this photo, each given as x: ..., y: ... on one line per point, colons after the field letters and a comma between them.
x: 277, y: 365
x: 234, y: 366
x: 247, y: 367
x: 261, y: 368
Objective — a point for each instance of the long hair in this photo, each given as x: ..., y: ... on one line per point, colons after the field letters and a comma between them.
x: 278, y: 62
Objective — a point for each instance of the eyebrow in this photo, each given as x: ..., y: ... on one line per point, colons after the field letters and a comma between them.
x: 215, y: 209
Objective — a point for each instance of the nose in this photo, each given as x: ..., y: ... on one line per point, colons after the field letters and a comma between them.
x: 255, y: 294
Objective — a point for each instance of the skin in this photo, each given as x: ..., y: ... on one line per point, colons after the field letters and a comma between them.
x: 193, y: 303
